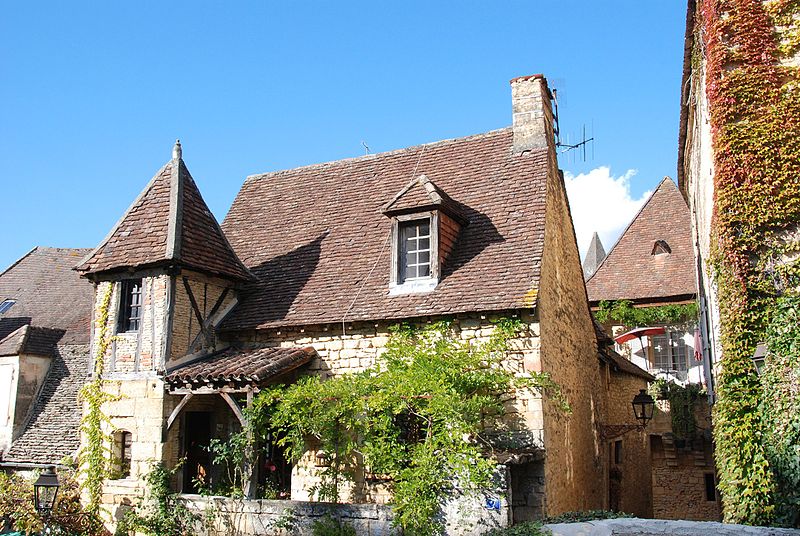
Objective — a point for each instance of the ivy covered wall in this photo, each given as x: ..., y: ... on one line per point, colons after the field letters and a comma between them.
x: 747, y: 53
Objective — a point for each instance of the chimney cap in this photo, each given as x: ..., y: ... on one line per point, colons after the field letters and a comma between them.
x: 528, y: 77
x: 177, y: 152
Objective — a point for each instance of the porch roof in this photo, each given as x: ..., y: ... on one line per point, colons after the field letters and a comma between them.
x: 253, y: 366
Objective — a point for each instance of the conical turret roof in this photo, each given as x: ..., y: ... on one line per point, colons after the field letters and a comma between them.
x: 594, y: 256
x: 169, y: 223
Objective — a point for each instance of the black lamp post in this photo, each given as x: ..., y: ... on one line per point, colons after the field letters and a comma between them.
x: 45, y: 490
x: 643, y: 405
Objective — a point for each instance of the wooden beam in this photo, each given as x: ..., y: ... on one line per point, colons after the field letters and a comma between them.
x: 206, y: 390
x: 235, y: 407
x: 196, y: 310
x: 178, y: 408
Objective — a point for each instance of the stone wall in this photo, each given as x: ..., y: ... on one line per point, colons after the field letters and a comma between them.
x: 574, y: 463
x: 633, y: 469
x: 243, y: 517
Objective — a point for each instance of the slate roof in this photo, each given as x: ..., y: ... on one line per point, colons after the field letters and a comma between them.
x: 241, y: 366
x: 594, y: 256
x: 52, y: 430
x: 312, y: 235
x: 49, y: 294
x: 168, y: 223
x: 630, y: 271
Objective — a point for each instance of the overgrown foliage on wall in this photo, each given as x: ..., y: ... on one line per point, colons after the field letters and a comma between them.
x: 417, y: 421
x: 94, y: 458
x: 623, y: 312
x: 754, y: 97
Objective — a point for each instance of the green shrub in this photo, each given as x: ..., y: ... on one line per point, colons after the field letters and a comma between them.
x: 585, y: 515
x: 529, y: 528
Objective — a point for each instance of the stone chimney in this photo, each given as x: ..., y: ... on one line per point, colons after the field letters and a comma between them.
x: 532, y: 113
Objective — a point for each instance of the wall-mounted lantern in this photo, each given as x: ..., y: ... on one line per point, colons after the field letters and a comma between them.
x: 45, y: 490
x: 759, y: 357
x: 643, y: 405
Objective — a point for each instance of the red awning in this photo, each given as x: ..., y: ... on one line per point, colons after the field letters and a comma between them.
x: 638, y: 333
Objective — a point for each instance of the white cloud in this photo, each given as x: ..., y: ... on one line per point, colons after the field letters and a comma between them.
x: 603, y: 203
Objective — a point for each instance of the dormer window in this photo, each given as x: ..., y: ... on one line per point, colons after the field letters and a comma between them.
x: 661, y: 248
x: 425, y: 226
x: 130, y: 305
x: 6, y: 305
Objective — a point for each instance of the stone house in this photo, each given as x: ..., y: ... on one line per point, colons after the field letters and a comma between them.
x: 652, y: 265
x: 310, y: 269
x: 44, y: 357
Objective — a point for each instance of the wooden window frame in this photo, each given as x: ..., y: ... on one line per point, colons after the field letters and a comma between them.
x: 130, y: 299
x: 394, y: 275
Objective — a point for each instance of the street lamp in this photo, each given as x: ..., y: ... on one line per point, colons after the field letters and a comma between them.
x: 45, y: 490
x: 643, y: 405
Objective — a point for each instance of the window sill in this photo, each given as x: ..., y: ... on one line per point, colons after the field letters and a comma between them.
x: 414, y: 286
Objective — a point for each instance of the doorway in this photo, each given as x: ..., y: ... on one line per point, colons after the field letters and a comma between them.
x: 197, y: 436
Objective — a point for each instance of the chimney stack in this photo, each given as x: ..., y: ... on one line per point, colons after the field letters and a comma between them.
x: 532, y: 113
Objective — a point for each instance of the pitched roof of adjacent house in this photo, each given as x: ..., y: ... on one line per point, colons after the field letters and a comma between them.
x: 639, y: 267
x: 31, y: 340
x: 168, y: 223
x: 42, y: 283
x: 318, y: 241
x: 52, y: 430
x: 594, y: 256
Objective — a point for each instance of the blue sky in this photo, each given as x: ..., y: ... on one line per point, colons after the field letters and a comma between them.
x: 95, y: 93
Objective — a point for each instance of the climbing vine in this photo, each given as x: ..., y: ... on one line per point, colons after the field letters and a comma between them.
x: 95, y: 454
x: 755, y: 123
x: 419, y: 422
x: 682, y: 400
x: 625, y: 313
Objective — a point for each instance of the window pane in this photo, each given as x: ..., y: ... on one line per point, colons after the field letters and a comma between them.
x: 425, y: 243
x: 661, y: 354
x: 424, y: 257
x: 424, y: 228
x: 411, y: 258
x: 423, y: 270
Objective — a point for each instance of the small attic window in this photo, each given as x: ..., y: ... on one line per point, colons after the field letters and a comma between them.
x: 415, y: 250
x: 661, y: 248
x: 5, y: 305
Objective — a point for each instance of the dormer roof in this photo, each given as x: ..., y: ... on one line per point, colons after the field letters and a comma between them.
x: 169, y: 223
x: 631, y: 270
x: 419, y: 195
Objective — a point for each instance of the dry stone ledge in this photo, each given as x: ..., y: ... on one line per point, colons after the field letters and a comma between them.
x: 659, y: 527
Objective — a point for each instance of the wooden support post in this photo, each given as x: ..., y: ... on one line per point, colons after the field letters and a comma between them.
x: 249, y: 465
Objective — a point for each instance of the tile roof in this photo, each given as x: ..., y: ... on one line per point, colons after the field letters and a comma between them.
x: 31, y: 340
x: 48, y: 294
x: 312, y: 235
x: 52, y: 429
x: 618, y: 363
x: 168, y: 223
x: 241, y: 366
x: 422, y: 194
x: 631, y: 271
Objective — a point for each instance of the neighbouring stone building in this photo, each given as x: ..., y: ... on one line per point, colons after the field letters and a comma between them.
x: 651, y: 266
x: 310, y: 269
x: 45, y: 313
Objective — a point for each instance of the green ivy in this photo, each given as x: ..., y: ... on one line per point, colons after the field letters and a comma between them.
x: 95, y: 454
x: 623, y: 312
x: 418, y: 419
x: 681, y: 399
x: 780, y: 407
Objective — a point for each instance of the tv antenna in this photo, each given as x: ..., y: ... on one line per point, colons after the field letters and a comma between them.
x: 567, y: 146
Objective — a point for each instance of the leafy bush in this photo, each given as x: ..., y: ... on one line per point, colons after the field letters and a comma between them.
x: 68, y: 515
x: 528, y: 528
x: 418, y: 418
x: 330, y: 526
x: 159, y: 513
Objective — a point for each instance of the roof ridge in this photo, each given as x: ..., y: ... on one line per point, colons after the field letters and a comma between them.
x: 343, y: 161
